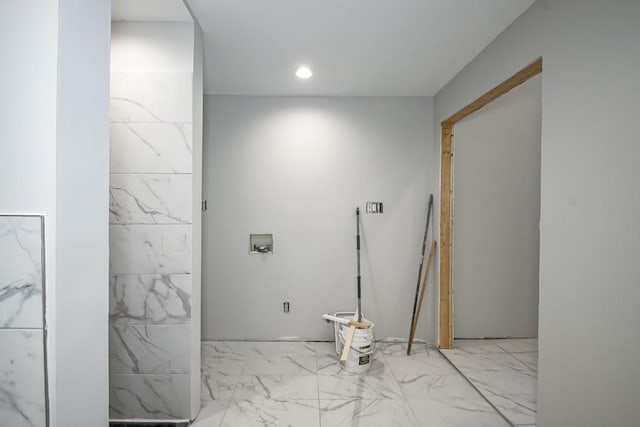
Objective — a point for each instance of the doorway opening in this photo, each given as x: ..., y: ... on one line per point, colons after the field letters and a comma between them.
x: 446, y: 195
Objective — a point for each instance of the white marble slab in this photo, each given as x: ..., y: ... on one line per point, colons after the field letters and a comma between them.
x: 480, y: 346
x: 530, y: 359
x: 280, y: 365
x: 222, y: 349
x: 447, y: 387
x: 369, y: 413
x: 150, y: 199
x: 22, y: 396
x: 264, y: 348
x: 160, y: 397
x: 467, y: 412
x: 406, y: 368
x: 520, y: 409
x: 219, y: 377
x: 518, y: 345
x: 150, y: 298
x: 137, y: 97
x: 151, y: 148
x: 153, y: 249
x: 278, y: 387
x: 270, y: 412
x: 21, y: 303
x: 211, y: 413
x: 149, y: 349
x: 400, y: 348
x: 324, y: 348
x: 508, y: 383
x: 330, y: 365
x: 362, y: 386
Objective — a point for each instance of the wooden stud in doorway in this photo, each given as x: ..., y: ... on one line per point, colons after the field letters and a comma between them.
x: 446, y: 194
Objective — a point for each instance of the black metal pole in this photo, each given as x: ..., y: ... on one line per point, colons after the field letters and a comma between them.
x: 424, y: 244
x: 358, y: 253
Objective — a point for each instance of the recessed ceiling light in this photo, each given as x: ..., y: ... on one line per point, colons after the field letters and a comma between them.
x: 303, y: 73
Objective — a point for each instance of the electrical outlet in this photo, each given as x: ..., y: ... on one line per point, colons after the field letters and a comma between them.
x: 285, y: 306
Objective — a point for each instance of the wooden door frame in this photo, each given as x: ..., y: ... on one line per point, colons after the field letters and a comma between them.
x: 446, y: 194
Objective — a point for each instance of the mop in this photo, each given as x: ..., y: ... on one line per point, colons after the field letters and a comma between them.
x: 356, y: 322
x: 358, y: 315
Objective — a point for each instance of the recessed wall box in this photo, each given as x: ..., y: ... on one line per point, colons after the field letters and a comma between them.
x: 261, y: 243
x: 374, y: 207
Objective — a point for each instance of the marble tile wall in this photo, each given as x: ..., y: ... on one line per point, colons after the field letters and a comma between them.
x: 150, y: 242
x: 22, y: 352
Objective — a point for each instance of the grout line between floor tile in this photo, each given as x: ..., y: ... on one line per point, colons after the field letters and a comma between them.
x: 404, y: 396
x: 318, y: 387
x: 524, y: 364
x: 495, y: 408
x: 244, y: 366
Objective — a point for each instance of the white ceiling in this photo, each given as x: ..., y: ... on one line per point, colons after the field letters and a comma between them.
x: 354, y: 47
x: 150, y: 10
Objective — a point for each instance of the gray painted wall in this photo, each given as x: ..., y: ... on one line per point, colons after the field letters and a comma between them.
x: 82, y: 235
x: 54, y: 162
x: 196, y: 274
x: 590, y: 196
x: 497, y: 212
x: 297, y: 168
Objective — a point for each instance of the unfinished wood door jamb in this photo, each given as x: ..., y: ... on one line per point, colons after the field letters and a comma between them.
x: 446, y: 194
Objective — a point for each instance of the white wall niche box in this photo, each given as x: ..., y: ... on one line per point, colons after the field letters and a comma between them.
x: 260, y: 243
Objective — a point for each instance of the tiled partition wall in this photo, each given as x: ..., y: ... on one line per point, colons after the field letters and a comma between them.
x: 22, y: 351
x: 150, y: 245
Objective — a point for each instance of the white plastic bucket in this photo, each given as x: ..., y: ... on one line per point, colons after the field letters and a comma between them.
x: 362, y: 345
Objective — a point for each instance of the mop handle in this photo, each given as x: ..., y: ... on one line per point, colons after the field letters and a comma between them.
x: 358, y: 252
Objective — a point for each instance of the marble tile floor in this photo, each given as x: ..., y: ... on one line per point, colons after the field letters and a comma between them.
x: 301, y: 384
x: 505, y: 371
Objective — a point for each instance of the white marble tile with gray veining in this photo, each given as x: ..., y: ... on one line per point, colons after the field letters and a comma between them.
x: 360, y: 386
x: 135, y: 98
x: 324, y: 348
x: 211, y: 413
x: 220, y: 376
x: 479, y: 346
x: 278, y: 387
x: 156, y: 249
x: 272, y: 348
x: 365, y: 412
x: 530, y: 359
x: 226, y: 349
x: 331, y: 365
x: 465, y: 412
x: 518, y: 408
x: 485, y: 362
x: 159, y: 397
x: 151, y: 148
x: 21, y: 278
x: 150, y: 298
x: 22, y: 388
x: 430, y: 362
x: 518, y: 345
x: 505, y: 380
x: 280, y: 365
x: 501, y: 376
x: 399, y: 348
x: 150, y: 199
x: 261, y: 412
x: 149, y: 349
x: 423, y: 377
